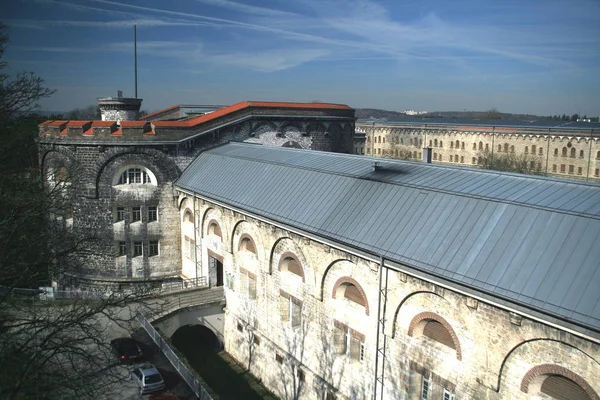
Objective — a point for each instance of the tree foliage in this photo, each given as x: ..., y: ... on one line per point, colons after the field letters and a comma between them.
x: 511, y: 162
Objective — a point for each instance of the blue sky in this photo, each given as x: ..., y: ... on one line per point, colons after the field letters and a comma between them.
x: 530, y: 56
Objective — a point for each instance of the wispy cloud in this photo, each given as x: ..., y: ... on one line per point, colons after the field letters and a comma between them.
x: 115, y: 24
x: 247, y: 9
x: 268, y: 61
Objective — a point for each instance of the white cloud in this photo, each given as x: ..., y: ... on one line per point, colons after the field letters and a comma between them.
x: 269, y: 61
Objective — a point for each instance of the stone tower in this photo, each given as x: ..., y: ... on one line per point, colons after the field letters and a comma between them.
x: 119, y: 108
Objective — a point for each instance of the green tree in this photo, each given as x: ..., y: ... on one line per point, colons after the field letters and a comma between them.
x: 87, y: 113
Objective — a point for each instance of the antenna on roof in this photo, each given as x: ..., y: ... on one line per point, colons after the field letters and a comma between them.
x: 135, y: 56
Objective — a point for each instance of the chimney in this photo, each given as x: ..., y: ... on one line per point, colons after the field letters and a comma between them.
x: 427, y: 154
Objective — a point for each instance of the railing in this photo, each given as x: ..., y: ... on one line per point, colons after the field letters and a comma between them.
x: 200, y: 389
x: 184, y: 284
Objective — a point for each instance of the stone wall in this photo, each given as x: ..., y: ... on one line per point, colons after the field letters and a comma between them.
x: 573, y: 155
x: 492, y: 353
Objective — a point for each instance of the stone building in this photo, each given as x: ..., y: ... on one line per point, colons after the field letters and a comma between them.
x: 567, y: 150
x: 120, y: 174
x: 349, y: 277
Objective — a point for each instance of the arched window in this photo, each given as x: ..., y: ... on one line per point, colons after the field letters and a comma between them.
x: 349, y: 289
x: 441, y: 144
x: 499, y: 148
x: 564, y: 152
x: 581, y: 154
x: 136, y: 175
x: 512, y: 149
x: 436, y: 143
x: 462, y: 159
x: 474, y: 146
x: 598, y: 154
x: 556, y: 152
x: 291, y: 265
x: 474, y: 161
x: 526, y: 150
x: 541, y: 151
x: 457, y: 144
x: 434, y: 327
x: 480, y: 145
x: 533, y: 149
x: 451, y: 145
x: 506, y: 147
x: 573, y: 151
x: 214, y: 229
x: 557, y: 382
x: 246, y: 244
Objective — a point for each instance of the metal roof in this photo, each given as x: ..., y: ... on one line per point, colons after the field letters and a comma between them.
x: 531, y: 241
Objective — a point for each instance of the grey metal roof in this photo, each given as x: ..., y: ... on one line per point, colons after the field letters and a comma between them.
x: 531, y: 241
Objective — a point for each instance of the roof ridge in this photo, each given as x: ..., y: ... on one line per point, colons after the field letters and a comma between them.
x: 412, y: 185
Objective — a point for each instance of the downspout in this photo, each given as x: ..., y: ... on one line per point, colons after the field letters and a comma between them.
x: 548, y: 150
x: 195, y: 240
x: 589, y: 157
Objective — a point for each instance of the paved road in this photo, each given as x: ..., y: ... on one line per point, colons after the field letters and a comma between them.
x: 128, y: 390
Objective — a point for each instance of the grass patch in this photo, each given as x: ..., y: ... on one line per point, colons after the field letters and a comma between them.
x: 224, y: 376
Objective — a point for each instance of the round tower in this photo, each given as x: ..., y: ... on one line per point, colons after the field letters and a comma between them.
x: 119, y: 108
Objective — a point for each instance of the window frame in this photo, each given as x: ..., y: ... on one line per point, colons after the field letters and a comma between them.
x: 136, y: 214
x: 153, y: 248
x: 349, y: 342
x: 290, y: 310
x: 121, y: 249
x: 137, y: 249
x: 120, y: 214
x: 152, y: 213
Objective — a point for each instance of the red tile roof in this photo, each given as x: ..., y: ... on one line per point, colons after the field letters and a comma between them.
x: 45, y: 123
x: 78, y: 123
x: 160, y: 111
x: 207, y: 117
x: 104, y: 123
x: 118, y: 132
x: 133, y: 124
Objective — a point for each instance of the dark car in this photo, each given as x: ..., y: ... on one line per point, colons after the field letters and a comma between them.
x: 127, y: 349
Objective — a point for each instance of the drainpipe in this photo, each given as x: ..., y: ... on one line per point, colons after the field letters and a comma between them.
x: 548, y: 150
x: 195, y: 242
x: 589, y: 157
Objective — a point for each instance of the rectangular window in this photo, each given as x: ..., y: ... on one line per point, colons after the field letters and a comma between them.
x: 553, y: 167
x: 571, y: 169
x: 425, y: 389
x: 122, y: 249
x: 153, y: 248
x: 120, y: 214
x: 368, y: 150
x: 579, y: 170
x: 152, y: 213
x: 137, y: 249
x: 562, y: 168
x: 290, y: 309
x: 136, y: 214
x: 348, y: 341
x: 448, y: 395
x: 248, y: 283
x: 189, y: 248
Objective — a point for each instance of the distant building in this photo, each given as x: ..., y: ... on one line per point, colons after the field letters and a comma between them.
x: 413, y: 112
x: 566, y: 150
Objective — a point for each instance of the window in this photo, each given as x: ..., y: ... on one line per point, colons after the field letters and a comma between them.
x: 474, y: 146
x: 541, y: 152
x: 435, y: 142
x: 526, y: 150
x: 448, y: 395
x: 248, y: 283
x: 120, y: 215
x: 597, y: 172
x: 506, y: 147
x: 368, y: 150
x: 512, y: 149
x: 425, y: 388
x: 329, y: 396
x: 189, y: 248
x: 214, y: 229
x: 564, y: 152
x: 379, y: 151
x: 441, y: 144
x: 290, y: 309
x: 436, y: 331
x: 581, y: 154
x: 430, y: 143
x: 136, y: 214
x: 598, y: 154
x: 384, y: 139
x: 481, y: 146
x: 556, y: 152
x: 137, y: 249
x: 291, y: 265
x: 487, y: 147
x: 579, y: 170
x: 457, y: 144
x: 348, y: 341
x: 533, y: 149
x: 435, y: 156
x: 133, y: 176
x: 152, y: 248
x: 122, y: 249
x: 462, y: 145
x: 474, y: 160
x: 562, y: 168
x: 462, y: 159
x: 451, y: 145
x: 152, y: 213
x: 571, y: 169
x: 553, y: 167
x: 573, y: 151
x: 499, y: 148
x: 246, y: 244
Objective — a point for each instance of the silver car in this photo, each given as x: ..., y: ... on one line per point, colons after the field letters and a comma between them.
x: 148, y: 378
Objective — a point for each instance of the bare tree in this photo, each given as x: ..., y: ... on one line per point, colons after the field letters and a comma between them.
x: 48, y: 349
x: 510, y: 162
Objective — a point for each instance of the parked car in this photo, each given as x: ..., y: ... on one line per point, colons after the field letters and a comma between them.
x: 127, y: 349
x: 148, y: 378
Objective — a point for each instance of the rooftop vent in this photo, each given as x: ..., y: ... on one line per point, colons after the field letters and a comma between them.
x: 376, y: 166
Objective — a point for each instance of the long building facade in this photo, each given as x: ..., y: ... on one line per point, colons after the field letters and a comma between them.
x: 352, y: 278
x: 567, y: 150
x: 120, y: 173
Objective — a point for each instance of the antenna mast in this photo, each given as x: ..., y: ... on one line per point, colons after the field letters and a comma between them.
x: 135, y: 56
